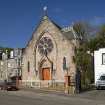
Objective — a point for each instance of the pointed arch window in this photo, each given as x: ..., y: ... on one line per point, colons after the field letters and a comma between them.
x: 28, y: 66
x: 64, y: 63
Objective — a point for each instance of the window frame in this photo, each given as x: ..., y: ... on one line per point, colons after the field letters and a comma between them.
x: 103, y: 58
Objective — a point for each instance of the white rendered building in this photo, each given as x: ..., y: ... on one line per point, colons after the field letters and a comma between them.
x: 99, y: 63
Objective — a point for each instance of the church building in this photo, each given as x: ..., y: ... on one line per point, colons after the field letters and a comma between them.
x: 48, y: 56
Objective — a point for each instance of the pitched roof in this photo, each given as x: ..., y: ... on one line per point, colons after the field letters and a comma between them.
x: 66, y: 31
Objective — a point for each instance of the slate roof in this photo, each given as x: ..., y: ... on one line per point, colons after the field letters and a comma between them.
x: 56, y: 25
x: 66, y: 31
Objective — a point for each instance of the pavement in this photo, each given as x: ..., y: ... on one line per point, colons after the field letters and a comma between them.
x: 92, y: 94
x: 44, y: 91
x: 31, y: 96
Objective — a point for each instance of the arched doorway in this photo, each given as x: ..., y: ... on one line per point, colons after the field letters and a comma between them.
x: 46, y: 74
x: 45, y: 69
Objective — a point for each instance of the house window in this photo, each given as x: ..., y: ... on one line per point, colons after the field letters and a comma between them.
x: 103, y: 58
x: 19, y: 62
x: 28, y: 66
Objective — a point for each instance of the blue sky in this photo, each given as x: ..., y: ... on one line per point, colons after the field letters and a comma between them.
x: 18, y: 18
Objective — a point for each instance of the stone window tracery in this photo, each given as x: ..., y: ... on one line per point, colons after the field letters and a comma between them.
x: 45, y: 45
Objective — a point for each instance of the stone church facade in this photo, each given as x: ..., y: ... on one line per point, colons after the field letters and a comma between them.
x: 49, y: 54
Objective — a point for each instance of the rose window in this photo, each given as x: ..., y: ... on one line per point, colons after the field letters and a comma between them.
x: 45, y: 46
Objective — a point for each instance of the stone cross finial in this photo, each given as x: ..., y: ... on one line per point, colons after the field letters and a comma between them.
x: 45, y: 10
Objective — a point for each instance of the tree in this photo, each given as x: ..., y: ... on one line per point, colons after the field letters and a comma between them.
x: 98, y: 41
x: 82, y: 59
x: 81, y: 31
x: 101, y: 32
x: 83, y: 62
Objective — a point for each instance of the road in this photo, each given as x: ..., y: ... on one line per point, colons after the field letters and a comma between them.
x: 31, y: 98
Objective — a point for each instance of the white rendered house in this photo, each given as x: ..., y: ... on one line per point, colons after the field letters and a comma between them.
x: 99, y: 63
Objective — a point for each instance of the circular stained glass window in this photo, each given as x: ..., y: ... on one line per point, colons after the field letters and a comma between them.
x: 45, y: 45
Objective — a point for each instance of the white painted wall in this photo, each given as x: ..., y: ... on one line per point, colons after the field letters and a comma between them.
x: 99, y: 68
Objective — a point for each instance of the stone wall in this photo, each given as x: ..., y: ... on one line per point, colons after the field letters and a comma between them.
x: 62, y: 48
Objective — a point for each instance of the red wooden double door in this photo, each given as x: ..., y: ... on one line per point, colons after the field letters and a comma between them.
x: 46, y: 74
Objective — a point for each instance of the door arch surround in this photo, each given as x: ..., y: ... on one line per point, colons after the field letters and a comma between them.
x: 45, y: 69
